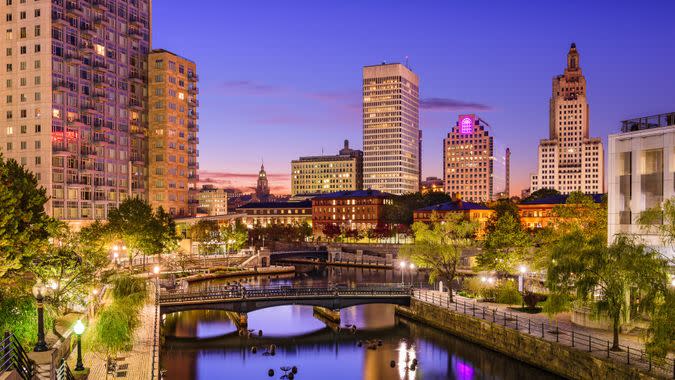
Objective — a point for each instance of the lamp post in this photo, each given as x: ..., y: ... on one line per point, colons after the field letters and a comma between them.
x: 39, y: 290
x: 78, y: 329
x: 412, y: 267
x: 402, y: 265
x: 521, y: 283
x: 156, y: 269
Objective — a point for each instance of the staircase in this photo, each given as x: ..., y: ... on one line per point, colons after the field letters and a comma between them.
x: 14, y: 358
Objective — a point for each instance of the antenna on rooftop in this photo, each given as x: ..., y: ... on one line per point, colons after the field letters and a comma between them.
x: 406, y: 62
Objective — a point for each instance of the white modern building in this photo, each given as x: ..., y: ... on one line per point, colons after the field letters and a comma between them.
x: 641, y: 169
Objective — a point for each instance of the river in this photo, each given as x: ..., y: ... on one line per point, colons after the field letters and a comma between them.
x: 206, y: 344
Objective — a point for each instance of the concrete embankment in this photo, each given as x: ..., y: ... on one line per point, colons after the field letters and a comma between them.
x: 240, y: 273
x: 551, y: 356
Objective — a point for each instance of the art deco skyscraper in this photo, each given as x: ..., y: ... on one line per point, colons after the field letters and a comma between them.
x: 72, y: 99
x: 570, y: 160
x: 468, y: 160
x: 391, y: 149
x: 173, y: 165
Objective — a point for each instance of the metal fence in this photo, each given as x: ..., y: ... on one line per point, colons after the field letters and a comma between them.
x: 63, y: 371
x: 240, y: 292
x: 598, y: 347
x: 154, y: 371
x: 13, y: 357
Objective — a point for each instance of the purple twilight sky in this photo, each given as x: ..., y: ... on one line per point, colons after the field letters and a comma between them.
x: 281, y: 79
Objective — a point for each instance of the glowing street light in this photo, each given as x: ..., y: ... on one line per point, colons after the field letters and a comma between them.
x: 39, y: 290
x: 523, y: 269
x: 156, y: 269
x: 78, y: 329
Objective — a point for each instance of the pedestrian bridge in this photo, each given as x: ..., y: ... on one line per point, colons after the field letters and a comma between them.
x: 244, y: 300
x: 321, y: 255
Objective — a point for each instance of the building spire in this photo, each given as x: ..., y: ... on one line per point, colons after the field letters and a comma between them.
x: 573, y: 57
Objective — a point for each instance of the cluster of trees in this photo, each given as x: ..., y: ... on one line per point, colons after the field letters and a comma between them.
x: 382, y: 231
x: 284, y: 233
x: 211, y: 237
x: 35, y: 247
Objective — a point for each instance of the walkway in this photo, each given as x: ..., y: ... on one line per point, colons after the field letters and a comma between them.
x: 135, y: 364
x: 595, y: 341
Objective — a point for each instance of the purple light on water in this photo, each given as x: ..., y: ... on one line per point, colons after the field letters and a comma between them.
x: 462, y: 370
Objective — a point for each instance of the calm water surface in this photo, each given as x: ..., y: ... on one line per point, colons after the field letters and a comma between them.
x: 206, y: 344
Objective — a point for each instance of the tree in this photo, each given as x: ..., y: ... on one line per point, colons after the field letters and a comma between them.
x: 142, y: 230
x: 438, y: 246
x: 207, y: 234
x: 501, y: 207
x: 507, y: 293
x: 661, y: 331
x: 541, y: 193
x: 235, y: 235
x: 402, y: 208
x: 23, y: 222
x: 605, y: 276
x: 660, y: 220
x: 70, y: 265
x: 331, y: 231
x: 506, y: 247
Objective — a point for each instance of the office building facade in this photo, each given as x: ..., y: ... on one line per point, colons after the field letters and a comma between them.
x: 212, y: 200
x: 72, y: 97
x: 569, y: 160
x: 391, y: 135
x: 172, y: 113
x: 468, y: 160
x: 326, y: 174
x: 641, y: 163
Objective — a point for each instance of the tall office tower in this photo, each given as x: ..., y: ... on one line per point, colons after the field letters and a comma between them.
x: 327, y: 174
x: 468, y: 160
x: 72, y: 100
x: 507, y: 187
x: 172, y: 166
x: 569, y: 160
x: 391, y: 150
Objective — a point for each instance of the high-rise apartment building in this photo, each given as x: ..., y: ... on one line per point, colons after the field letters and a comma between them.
x: 391, y: 149
x: 569, y: 160
x: 72, y: 97
x: 172, y: 113
x: 468, y: 160
x: 327, y: 174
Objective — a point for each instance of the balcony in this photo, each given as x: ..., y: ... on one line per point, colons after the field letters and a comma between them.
x: 135, y: 104
x: 137, y: 22
x: 137, y: 78
x: 100, y: 83
x: 73, y: 182
x: 193, y: 140
x: 100, y: 67
x: 100, y: 5
x: 74, y: 9
x: 87, y: 47
x: 100, y: 98
x: 102, y: 141
x: 61, y: 150
x: 88, y: 153
x: 193, y: 102
x: 193, y: 127
x: 61, y: 86
x: 101, y: 21
x: 193, y: 178
x: 88, y: 31
x: 90, y: 109
x: 193, y: 115
x: 193, y: 90
x: 135, y: 34
x: 72, y: 59
x: 648, y: 122
x: 137, y: 133
x: 193, y: 77
x: 193, y: 165
x: 60, y: 21
x: 137, y: 159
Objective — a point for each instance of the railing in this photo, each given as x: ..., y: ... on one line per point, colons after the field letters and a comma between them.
x: 63, y: 371
x: 13, y: 357
x: 598, y: 347
x: 235, y: 293
x: 154, y: 372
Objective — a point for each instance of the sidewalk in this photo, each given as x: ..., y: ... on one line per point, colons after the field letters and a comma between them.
x: 135, y: 364
x: 510, y: 318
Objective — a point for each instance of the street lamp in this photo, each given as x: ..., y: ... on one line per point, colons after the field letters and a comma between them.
x: 402, y: 265
x: 412, y: 267
x: 78, y: 329
x: 39, y: 290
x: 521, y: 278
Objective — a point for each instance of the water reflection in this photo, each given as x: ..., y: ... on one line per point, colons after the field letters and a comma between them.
x: 321, y: 352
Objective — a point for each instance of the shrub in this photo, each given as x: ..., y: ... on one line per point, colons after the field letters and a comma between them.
x: 531, y: 299
x: 507, y: 293
x: 129, y: 287
x: 112, y: 333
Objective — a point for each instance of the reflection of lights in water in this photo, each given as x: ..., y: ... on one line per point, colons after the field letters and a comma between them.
x: 405, y: 357
x: 462, y: 369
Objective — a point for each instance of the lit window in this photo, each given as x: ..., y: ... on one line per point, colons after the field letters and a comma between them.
x: 100, y: 49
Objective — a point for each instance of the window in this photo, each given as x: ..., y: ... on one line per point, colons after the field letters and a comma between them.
x: 37, y: 30
x: 22, y: 15
x: 22, y: 32
x: 37, y: 13
x: 8, y: 34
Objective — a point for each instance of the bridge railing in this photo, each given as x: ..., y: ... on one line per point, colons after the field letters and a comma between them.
x: 239, y: 293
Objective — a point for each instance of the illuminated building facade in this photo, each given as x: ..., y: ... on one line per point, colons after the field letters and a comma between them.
x: 212, y: 200
x: 268, y: 213
x: 72, y: 100
x: 326, y: 174
x: 468, y: 161
x: 350, y: 210
x: 569, y: 160
x: 391, y: 148
x: 173, y: 131
x: 432, y: 185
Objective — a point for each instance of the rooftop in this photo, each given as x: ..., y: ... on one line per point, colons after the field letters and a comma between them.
x: 354, y: 194
x: 648, y: 122
x: 301, y: 204
x: 454, y: 206
x: 559, y: 200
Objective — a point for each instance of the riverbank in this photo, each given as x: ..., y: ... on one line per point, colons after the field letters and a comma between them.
x: 263, y: 271
x: 341, y: 263
x: 550, y: 351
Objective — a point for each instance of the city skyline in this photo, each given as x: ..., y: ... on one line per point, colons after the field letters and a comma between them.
x: 262, y: 88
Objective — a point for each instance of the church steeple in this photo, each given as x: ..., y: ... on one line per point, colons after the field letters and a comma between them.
x: 262, y: 189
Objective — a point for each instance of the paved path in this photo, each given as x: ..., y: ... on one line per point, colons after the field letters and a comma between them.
x: 539, y: 325
x: 135, y: 364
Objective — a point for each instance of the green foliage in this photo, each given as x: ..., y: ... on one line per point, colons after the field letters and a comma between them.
x: 286, y: 233
x: 331, y: 231
x: 593, y: 272
x: 476, y: 288
x: 660, y: 220
x: 112, y: 333
x: 506, y: 247
x: 438, y: 246
x: 129, y: 288
x: 401, y: 211
x: 541, y: 193
x: 207, y: 234
x: 23, y: 221
x: 18, y: 314
x: 501, y: 208
x: 506, y: 292
x: 142, y: 230
x: 661, y: 332
x: 237, y: 236
x: 70, y: 265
